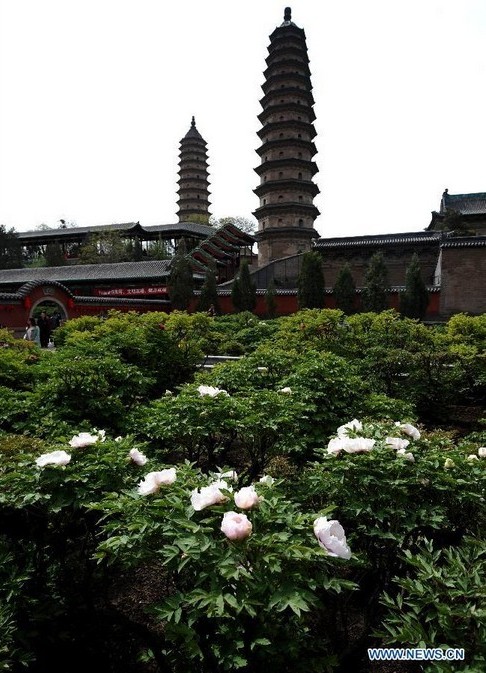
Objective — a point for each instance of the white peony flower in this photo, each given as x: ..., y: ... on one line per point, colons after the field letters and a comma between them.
x: 101, y: 434
x: 230, y: 474
x: 236, y: 526
x: 154, y: 480
x: 137, y: 457
x: 408, y: 429
x: 358, y: 445
x: 211, y: 391
x: 247, y: 497
x: 472, y: 456
x: 168, y: 393
x: 286, y: 390
x: 267, y: 480
x: 207, y: 496
x: 262, y: 369
x: 397, y: 443
x: 335, y: 445
x: 355, y: 425
x: 482, y: 452
x: 350, y: 445
x: 331, y: 537
x: 54, y: 458
x: 119, y: 438
x: 449, y: 463
x: 83, y: 439
x: 408, y: 456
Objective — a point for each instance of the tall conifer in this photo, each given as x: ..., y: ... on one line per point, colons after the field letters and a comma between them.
x: 344, y: 290
x: 415, y: 299
x: 376, y: 285
x: 310, y: 284
x: 181, y: 282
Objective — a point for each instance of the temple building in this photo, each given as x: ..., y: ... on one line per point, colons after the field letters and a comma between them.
x: 451, y: 251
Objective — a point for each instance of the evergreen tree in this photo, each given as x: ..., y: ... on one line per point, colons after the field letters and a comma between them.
x: 376, y: 285
x: 243, y: 292
x: 54, y: 255
x: 310, y: 284
x: 209, y: 292
x: 10, y: 249
x: 270, y: 301
x: 181, y: 282
x: 415, y: 299
x: 106, y: 247
x: 236, y: 295
x: 344, y: 290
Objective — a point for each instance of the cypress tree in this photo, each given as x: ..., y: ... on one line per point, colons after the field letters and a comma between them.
x: 181, y: 282
x: 376, y: 285
x: 344, y: 290
x: 209, y: 292
x: 310, y: 284
x: 270, y: 301
x: 236, y: 298
x: 415, y: 299
x: 243, y: 292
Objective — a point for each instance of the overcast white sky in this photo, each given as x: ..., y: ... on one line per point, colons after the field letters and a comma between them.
x: 95, y: 96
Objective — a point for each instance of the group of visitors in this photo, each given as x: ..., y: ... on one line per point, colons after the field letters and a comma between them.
x: 39, y: 330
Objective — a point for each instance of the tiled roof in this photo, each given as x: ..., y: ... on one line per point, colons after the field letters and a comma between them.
x: 465, y: 242
x: 466, y: 204
x: 380, y: 239
x: 69, y: 232
x: 80, y: 272
x: 226, y: 292
x: 187, y: 227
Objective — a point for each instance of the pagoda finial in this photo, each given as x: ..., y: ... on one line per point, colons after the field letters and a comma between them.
x: 288, y: 14
x: 193, y: 122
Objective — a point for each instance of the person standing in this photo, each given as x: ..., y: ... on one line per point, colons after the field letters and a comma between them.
x: 45, y: 329
x: 32, y: 332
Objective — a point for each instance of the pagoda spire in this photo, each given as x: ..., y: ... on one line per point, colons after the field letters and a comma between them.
x: 286, y: 191
x: 193, y: 180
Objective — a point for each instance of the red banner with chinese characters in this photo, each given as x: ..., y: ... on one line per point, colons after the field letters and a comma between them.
x: 131, y: 291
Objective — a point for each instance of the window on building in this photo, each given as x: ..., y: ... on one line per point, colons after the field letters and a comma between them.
x: 301, y: 223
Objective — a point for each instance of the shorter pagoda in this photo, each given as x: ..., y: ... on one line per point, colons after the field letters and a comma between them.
x: 193, y: 181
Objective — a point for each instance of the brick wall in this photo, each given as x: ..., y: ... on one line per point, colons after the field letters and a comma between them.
x: 463, y: 284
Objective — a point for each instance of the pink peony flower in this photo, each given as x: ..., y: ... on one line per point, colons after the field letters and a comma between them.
x: 83, y: 439
x: 208, y: 495
x: 331, y: 537
x: 154, y: 480
x: 247, y: 497
x: 236, y: 526
x: 137, y: 457
x: 54, y: 458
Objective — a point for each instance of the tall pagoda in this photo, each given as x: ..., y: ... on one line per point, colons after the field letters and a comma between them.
x: 286, y: 191
x: 193, y: 176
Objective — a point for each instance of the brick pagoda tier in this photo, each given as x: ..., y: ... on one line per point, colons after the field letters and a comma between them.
x: 193, y: 176
x: 286, y: 214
